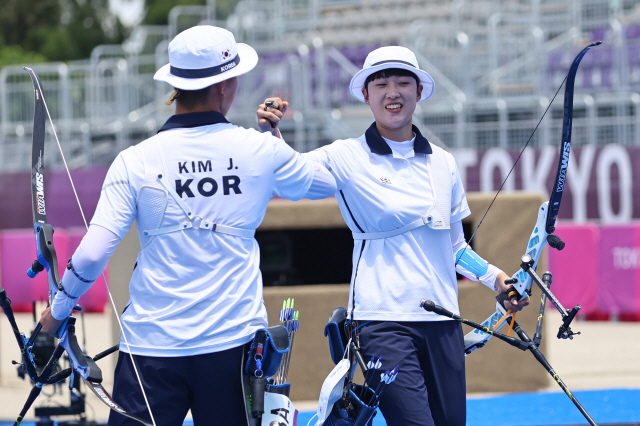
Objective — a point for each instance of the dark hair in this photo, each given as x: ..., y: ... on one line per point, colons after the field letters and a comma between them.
x: 390, y: 72
x: 191, y: 98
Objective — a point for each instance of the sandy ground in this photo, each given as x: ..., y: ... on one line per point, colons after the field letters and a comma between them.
x: 613, y: 362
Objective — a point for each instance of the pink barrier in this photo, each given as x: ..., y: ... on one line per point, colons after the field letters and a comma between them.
x: 18, y: 250
x: 576, y: 268
x: 620, y: 270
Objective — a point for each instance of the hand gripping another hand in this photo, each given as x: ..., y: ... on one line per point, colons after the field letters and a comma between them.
x: 270, y: 113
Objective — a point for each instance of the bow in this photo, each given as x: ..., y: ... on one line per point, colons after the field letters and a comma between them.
x: 522, y: 280
x: 543, y: 230
x: 81, y: 364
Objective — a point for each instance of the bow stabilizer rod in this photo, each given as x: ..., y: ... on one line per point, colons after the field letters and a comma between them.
x: 429, y: 306
x: 524, y: 344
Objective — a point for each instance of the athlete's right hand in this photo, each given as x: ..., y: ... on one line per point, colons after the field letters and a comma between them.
x: 269, y: 116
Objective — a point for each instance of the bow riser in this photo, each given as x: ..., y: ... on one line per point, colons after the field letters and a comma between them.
x: 47, y: 257
x: 538, y: 239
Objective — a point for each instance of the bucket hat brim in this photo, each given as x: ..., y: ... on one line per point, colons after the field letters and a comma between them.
x: 357, y: 82
x: 248, y: 61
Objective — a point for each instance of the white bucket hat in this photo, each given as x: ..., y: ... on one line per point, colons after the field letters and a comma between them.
x: 205, y: 55
x: 391, y: 57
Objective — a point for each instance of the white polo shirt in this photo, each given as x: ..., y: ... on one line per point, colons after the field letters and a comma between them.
x: 380, y: 190
x: 195, y: 291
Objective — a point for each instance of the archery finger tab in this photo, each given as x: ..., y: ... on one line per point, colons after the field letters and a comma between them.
x: 271, y: 104
x: 504, y: 297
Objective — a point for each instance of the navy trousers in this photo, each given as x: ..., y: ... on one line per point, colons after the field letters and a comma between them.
x: 430, y: 388
x: 209, y: 385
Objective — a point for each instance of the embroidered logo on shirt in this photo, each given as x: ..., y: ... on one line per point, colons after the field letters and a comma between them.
x: 385, y: 180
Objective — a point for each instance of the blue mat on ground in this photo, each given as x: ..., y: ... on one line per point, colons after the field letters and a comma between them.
x: 606, y: 407
x: 610, y: 406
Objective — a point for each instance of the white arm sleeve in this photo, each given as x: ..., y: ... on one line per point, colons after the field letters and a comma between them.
x: 458, y: 243
x: 88, y: 262
x: 323, y: 185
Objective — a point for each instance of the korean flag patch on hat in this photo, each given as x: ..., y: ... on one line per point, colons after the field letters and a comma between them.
x: 205, y: 55
x: 391, y: 57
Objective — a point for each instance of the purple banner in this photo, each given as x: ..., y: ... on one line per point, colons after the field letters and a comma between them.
x: 62, y: 208
x: 599, y: 185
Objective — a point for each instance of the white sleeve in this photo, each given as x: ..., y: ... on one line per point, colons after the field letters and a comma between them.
x: 323, y: 185
x: 117, y: 207
x: 459, y: 205
x: 458, y: 243
x: 339, y: 158
x: 87, y: 262
x: 293, y: 174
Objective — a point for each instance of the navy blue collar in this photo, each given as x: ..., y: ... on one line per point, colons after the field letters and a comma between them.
x: 379, y: 146
x: 193, y: 119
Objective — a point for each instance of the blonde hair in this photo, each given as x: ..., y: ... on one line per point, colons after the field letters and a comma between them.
x: 174, y: 95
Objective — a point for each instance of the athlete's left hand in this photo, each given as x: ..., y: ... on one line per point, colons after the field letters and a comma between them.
x: 49, y: 323
x: 514, y: 304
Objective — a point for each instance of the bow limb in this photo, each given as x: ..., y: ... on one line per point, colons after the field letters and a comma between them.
x: 544, y: 234
x: 565, y: 148
x: 547, y: 214
x: 47, y: 259
x: 46, y: 252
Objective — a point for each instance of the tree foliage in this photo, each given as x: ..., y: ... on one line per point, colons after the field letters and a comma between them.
x: 55, y: 30
x: 64, y: 30
x: 157, y: 11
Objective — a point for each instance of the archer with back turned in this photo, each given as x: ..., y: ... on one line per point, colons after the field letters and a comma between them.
x: 197, y: 190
